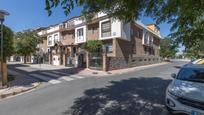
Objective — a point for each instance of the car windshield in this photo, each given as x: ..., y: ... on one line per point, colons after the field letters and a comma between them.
x: 191, y: 74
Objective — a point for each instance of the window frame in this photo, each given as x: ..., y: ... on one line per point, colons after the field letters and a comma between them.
x: 107, y: 30
x: 49, y: 40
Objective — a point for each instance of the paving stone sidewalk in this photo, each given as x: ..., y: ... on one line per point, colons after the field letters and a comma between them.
x: 20, y: 84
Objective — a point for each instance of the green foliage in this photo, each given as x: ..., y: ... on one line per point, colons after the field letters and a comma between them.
x: 168, y: 48
x: 26, y: 42
x: 185, y: 16
x: 8, y: 42
x: 195, y: 51
x: 92, y: 45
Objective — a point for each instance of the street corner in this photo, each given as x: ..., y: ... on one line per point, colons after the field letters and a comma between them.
x: 15, y: 90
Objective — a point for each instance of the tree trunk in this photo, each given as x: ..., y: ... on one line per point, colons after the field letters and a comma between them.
x: 24, y: 59
x: 4, y: 73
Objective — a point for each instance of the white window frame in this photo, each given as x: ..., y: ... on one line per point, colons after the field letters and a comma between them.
x: 56, y: 38
x: 82, y: 37
x: 108, y: 21
x: 49, y: 41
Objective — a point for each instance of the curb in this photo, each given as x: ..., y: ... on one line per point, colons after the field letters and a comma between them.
x: 131, y: 69
x: 12, y: 93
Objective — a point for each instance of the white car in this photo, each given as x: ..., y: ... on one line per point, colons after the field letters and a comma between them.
x: 185, y: 94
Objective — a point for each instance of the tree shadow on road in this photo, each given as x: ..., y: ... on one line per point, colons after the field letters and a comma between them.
x: 135, y: 96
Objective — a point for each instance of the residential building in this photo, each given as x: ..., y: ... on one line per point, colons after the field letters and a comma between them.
x: 125, y: 44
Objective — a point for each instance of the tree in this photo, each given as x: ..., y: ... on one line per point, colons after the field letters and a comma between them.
x: 186, y: 16
x: 8, y: 42
x: 196, y: 51
x: 8, y: 49
x: 92, y: 45
x: 26, y: 43
x: 168, y: 48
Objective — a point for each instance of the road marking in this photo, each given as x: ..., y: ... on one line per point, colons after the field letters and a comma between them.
x: 76, y: 76
x: 51, y: 74
x: 44, y: 78
x: 57, y: 72
x: 70, y: 75
x: 66, y: 78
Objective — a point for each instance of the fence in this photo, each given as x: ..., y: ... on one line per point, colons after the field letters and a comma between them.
x: 125, y: 62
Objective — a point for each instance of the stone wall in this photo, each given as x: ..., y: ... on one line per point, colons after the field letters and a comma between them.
x: 114, y: 63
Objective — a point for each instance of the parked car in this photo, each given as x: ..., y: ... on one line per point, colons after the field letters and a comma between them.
x: 200, y: 62
x: 185, y: 94
x: 195, y: 61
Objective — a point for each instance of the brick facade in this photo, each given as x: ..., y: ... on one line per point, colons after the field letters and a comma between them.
x: 126, y: 52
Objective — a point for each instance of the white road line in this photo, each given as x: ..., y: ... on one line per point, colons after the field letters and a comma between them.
x: 51, y: 74
x: 44, y: 78
x: 76, y: 76
x: 70, y: 75
x: 66, y: 78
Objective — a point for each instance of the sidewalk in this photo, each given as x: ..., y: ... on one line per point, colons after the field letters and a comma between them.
x: 89, y: 72
x: 20, y: 84
x: 86, y: 72
x: 96, y: 73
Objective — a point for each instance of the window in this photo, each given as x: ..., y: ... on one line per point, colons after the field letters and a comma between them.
x: 50, y: 40
x: 146, y: 38
x: 105, y: 29
x: 56, y: 38
x: 191, y: 74
x: 151, y: 40
x: 80, y: 34
x: 109, y: 48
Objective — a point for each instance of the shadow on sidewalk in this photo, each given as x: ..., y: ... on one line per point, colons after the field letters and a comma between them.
x: 135, y: 96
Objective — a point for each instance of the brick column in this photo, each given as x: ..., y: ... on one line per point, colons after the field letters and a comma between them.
x: 105, y: 67
x: 87, y: 60
x: 50, y: 59
x: 64, y: 60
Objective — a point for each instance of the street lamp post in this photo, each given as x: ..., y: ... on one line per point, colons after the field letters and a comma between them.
x: 3, y: 13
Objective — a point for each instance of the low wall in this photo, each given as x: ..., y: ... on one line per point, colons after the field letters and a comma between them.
x: 121, y: 62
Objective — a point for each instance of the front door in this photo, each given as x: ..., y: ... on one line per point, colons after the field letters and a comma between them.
x: 56, y: 60
x: 82, y: 60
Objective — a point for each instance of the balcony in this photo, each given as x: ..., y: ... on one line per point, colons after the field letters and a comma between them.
x: 67, y: 26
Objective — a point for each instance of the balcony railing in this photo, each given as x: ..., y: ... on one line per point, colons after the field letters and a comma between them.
x: 67, y: 26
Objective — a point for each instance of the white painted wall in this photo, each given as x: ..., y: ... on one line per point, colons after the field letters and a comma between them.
x: 52, y: 37
x: 40, y: 33
x: 78, y: 21
x: 81, y: 39
x: 53, y: 29
x: 101, y: 14
x: 115, y: 29
x: 56, y: 60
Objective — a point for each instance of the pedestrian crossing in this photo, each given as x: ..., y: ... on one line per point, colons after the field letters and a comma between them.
x: 55, y: 77
x: 44, y: 78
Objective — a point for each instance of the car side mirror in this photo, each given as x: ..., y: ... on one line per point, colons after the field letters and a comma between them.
x: 173, y: 75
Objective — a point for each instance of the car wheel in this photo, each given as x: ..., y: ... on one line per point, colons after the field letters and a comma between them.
x: 169, y: 110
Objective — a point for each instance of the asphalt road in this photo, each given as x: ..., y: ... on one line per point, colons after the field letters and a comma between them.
x: 140, y: 92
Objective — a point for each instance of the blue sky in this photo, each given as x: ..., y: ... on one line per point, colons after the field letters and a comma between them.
x: 25, y: 14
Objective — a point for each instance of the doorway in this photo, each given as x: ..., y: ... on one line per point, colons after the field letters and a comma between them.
x: 82, y: 61
x: 56, y: 60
